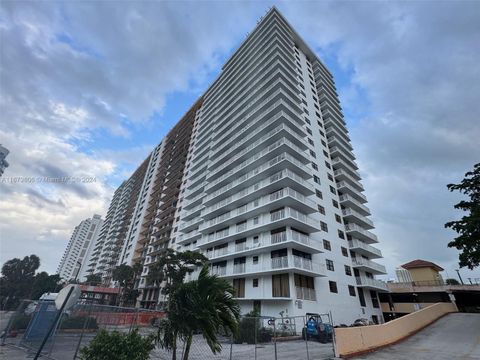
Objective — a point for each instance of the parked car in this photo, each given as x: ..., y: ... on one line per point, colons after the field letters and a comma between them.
x: 317, y: 329
x: 361, y: 322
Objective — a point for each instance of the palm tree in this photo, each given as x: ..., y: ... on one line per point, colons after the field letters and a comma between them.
x: 205, y: 305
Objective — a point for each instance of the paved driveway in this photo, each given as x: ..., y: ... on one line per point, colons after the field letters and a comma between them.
x: 455, y: 336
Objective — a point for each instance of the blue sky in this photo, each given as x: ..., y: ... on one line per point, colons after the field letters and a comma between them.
x: 89, y: 88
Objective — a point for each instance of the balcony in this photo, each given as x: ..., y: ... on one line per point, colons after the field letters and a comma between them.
x: 259, y: 129
x: 351, y: 202
x: 280, y: 198
x: 272, y: 167
x: 289, y: 263
x: 345, y: 188
x: 341, y: 175
x: 353, y: 216
x: 372, y: 284
x: 190, y: 236
x: 305, y: 293
x: 358, y: 232
x: 284, y: 178
x: 363, y: 249
x: 260, y: 159
x: 338, y: 163
x: 267, y: 242
x: 264, y: 222
x: 367, y: 265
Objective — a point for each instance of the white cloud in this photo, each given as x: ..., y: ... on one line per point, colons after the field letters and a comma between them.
x: 70, y: 69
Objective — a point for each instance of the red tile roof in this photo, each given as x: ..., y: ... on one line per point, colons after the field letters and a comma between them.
x: 420, y: 264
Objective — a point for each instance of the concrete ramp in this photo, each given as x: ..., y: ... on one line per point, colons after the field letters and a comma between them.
x: 454, y: 336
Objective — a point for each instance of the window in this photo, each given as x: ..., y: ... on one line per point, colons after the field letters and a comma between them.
x: 323, y: 226
x: 239, y: 287
x: 306, y: 120
x: 313, y: 154
x: 314, y: 166
x: 344, y: 251
x: 326, y: 154
x: 255, y: 260
x: 335, y: 203
x: 324, y: 143
x: 348, y: 270
x: 319, y: 194
x: 332, y: 190
x: 280, y: 285
x: 341, y: 234
x: 351, y: 290
x: 309, y: 131
x: 330, y: 265
x: 373, y: 295
x: 338, y: 218
x: 330, y: 177
x: 321, y: 209
x: 310, y: 141
x: 328, y: 165
x: 321, y: 133
x: 255, y: 282
x: 316, y: 179
x: 361, y: 297
x: 333, y: 287
x: 326, y: 245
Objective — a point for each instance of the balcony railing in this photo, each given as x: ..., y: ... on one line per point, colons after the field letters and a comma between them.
x: 239, y: 268
x: 266, y: 241
x: 360, y: 232
x: 358, y: 217
x: 369, y: 264
x: 251, y: 189
x: 372, y: 283
x: 356, y: 244
x: 305, y: 293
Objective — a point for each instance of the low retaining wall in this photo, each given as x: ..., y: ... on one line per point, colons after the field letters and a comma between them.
x: 357, y: 340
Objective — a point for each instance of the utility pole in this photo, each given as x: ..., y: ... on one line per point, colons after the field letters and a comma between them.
x: 458, y: 273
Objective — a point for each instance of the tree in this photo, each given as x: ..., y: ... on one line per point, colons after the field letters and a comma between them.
x: 93, y: 279
x: 17, y: 278
x: 170, y: 270
x: 468, y: 228
x: 44, y: 283
x: 452, y: 282
x: 126, y: 276
x: 206, y: 306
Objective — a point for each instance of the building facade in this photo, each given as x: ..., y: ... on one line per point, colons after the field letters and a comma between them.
x: 78, y: 249
x: 162, y: 203
x: 260, y: 176
x: 272, y: 193
x: 106, y: 254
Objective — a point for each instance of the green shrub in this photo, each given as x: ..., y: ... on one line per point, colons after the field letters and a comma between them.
x: 118, y: 346
x: 78, y: 322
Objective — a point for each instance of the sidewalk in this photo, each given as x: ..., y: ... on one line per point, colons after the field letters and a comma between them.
x: 9, y: 352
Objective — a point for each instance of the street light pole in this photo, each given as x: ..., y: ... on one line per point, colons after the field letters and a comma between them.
x: 458, y: 273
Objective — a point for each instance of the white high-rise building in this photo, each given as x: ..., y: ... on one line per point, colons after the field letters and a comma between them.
x: 78, y: 249
x: 106, y: 254
x: 3, y: 162
x: 273, y: 195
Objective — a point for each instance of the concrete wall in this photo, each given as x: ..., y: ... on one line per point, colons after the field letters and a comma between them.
x: 425, y: 274
x: 355, y: 340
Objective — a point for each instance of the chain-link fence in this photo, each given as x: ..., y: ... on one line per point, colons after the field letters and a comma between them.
x: 259, y: 338
x: 29, y: 324
x: 267, y: 338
